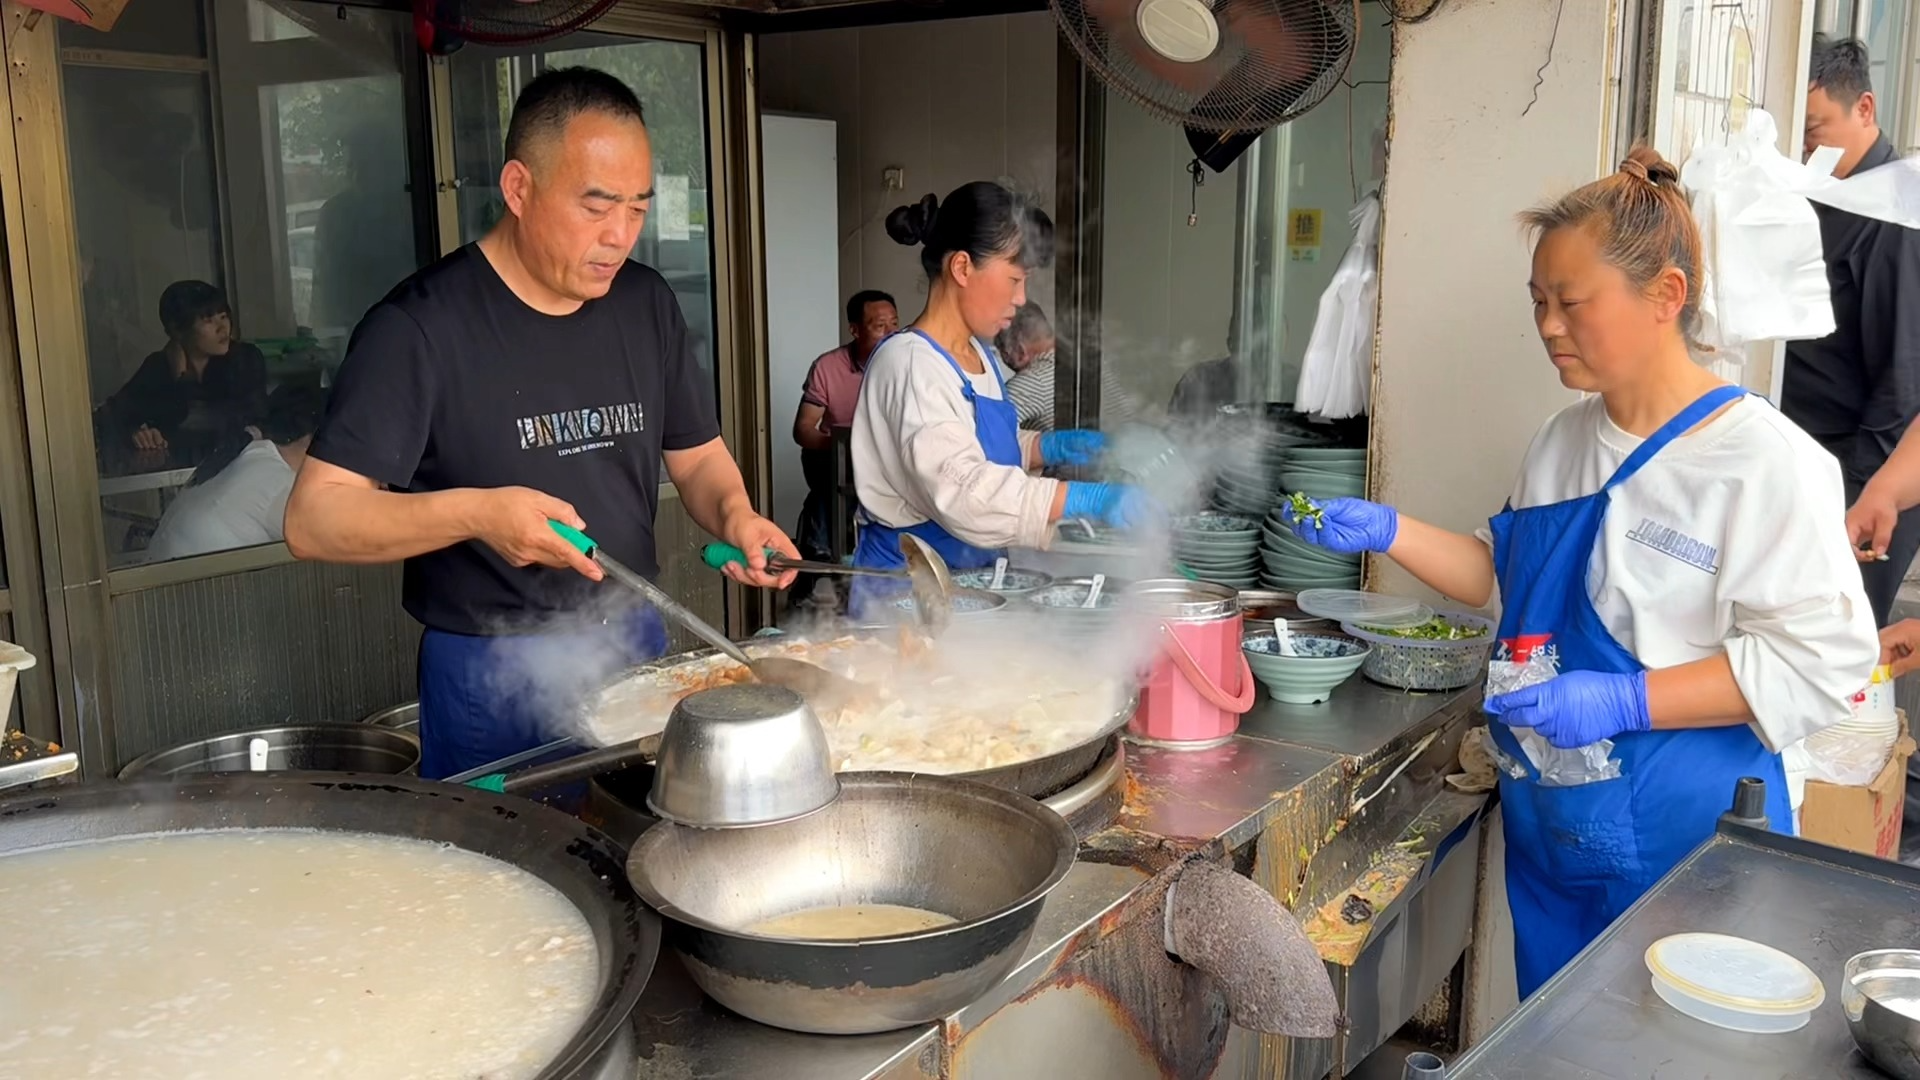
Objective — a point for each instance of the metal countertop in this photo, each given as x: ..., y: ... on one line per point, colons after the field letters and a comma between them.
x: 1600, y: 1020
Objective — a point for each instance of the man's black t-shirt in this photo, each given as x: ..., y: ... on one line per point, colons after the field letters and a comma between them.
x: 453, y: 382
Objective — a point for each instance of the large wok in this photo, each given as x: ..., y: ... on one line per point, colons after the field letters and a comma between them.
x: 1037, y: 778
x: 584, y: 865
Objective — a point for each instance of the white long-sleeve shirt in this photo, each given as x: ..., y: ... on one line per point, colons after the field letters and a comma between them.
x: 916, y: 458
x: 1732, y: 538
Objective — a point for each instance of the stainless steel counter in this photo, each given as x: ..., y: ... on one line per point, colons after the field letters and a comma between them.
x: 1288, y: 774
x: 1600, y: 1020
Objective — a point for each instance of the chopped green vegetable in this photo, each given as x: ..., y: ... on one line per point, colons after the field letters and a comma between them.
x: 1305, y: 509
x: 1434, y: 629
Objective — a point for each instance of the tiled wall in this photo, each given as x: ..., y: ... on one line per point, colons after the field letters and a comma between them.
x: 948, y: 101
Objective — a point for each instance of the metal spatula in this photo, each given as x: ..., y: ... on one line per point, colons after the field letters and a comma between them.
x: 822, y: 688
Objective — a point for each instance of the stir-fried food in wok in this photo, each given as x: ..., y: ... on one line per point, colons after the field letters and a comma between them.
x: 932, y: 710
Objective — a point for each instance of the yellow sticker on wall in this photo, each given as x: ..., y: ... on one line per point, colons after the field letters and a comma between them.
x: 1303, y: 235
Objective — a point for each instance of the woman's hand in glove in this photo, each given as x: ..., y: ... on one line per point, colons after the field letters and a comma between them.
x: 1122, y: 506
x: 1347, y: 526
x: 1579, y: 708
x: 1071, y: 447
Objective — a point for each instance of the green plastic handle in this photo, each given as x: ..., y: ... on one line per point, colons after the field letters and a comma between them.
x: 496, y: 783
x: 581, y: 541
x: 720, y: 556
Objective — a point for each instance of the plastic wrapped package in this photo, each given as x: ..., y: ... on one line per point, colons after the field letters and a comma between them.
x: 1557, y: 767
x: 1847, y: 756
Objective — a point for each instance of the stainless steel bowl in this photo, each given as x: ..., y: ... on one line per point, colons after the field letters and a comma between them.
x: 1880, y: 993
x: 735, y: 756
x: 364, y: 748
x: 978, y: 854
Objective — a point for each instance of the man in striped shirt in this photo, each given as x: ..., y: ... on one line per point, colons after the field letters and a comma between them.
x: 1028, y: 347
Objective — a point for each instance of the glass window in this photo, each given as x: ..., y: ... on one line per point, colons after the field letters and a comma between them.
x: 235, y: 219
x: 670, y: 79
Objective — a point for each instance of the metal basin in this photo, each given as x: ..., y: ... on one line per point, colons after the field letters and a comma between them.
x: 984, y: 856
x: 1880, y: 993
x: 361, y: 748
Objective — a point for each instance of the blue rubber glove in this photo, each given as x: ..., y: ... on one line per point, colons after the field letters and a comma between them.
x: 1348, y: 526
x: 1071, y: 447
x: 1579, y: 708
x: 1122, y: 506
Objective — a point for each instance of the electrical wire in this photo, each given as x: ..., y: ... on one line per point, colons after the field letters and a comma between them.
x: 1540, y: 73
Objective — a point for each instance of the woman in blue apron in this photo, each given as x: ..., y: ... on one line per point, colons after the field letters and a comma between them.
x: 1673, y: 574
x: 937, y: 448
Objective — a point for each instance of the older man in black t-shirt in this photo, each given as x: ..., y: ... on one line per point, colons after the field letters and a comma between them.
x: 536, y: 375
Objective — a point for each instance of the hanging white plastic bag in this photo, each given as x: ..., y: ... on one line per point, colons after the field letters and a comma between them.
x: 1336, y: 375
x: 1762, y: 249
x: 1765, y: 275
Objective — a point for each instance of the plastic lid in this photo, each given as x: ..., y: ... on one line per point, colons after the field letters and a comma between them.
x: 1734, y: 973
x: 1364, y: 608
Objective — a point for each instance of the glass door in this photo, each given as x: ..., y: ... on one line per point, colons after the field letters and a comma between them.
x: 671, y: 78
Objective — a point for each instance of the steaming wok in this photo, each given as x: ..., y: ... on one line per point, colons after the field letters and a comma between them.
x: 1037, y: 777
x: 581, y: 863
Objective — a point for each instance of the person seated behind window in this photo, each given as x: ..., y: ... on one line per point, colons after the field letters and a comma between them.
x: 1029, y: 347
x: 242, y: 501
x: 203, y: 385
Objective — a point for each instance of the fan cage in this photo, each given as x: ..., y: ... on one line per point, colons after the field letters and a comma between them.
x: 1276, y: 60
x: 514, y: 22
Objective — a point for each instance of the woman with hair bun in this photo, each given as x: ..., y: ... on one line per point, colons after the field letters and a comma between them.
x: 937, y: 446
x: 1675, y: 580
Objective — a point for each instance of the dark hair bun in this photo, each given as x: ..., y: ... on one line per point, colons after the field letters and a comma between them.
x: 1646, y: 163
x: 913, y: 224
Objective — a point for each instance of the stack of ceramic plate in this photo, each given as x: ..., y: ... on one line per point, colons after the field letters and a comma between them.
x: 1324, y: 473
x: 1291, y: 564
x: 1218, y: 547
x: 1246, y: 489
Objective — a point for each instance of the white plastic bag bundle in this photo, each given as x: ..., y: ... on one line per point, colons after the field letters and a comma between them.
x: 1765, y: 278
x: 1336, y: 375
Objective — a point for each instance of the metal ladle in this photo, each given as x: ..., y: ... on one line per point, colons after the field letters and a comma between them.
x: 822, y: 688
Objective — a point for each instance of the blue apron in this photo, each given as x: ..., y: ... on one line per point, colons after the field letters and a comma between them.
x: 997, y: 425
x: 1577, y: 857
x: 484, y: 698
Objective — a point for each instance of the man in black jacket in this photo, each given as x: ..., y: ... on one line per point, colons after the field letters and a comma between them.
x: 1857, y: 389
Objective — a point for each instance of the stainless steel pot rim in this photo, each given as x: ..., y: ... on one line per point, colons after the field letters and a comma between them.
x: 351, y: 734
x: 1067, y: 844
x: 724, y: 826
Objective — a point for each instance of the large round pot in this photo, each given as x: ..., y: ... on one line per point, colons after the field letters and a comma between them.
x: 984, y: 856
x: 579, y: 862
x: 358, y: 748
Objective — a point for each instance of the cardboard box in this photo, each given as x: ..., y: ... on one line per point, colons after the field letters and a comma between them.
x: 1864, y: 819
x: 98, y: 14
